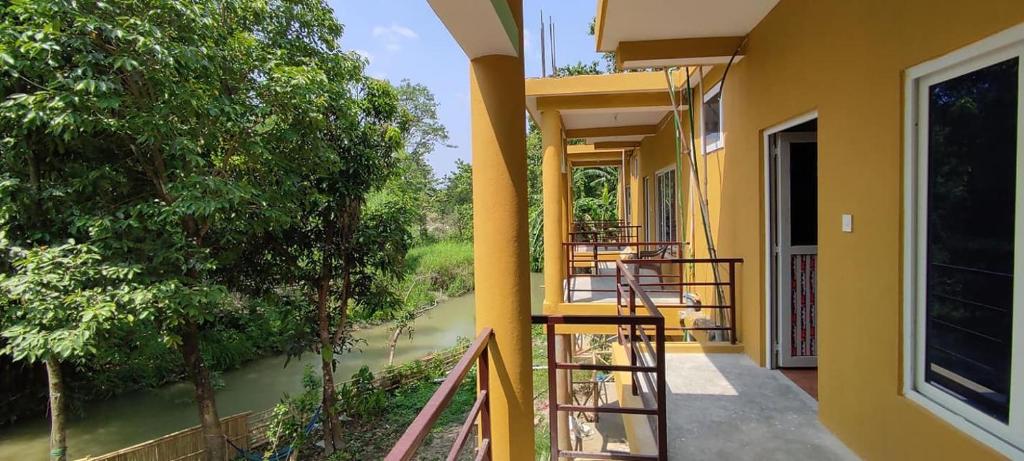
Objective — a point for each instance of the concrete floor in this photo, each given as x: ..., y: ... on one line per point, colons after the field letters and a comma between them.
x: 582, y: 285
x: 724, y: 407
x: 609, y: 433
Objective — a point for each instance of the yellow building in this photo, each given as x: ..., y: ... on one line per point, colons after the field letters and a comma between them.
x: 825, y: 187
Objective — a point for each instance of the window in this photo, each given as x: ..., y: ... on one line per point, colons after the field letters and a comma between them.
x: 647, y: 208
x: 964, y: 219
x: 711, y: 114
x: 629, y: 205
x: 666, y: 212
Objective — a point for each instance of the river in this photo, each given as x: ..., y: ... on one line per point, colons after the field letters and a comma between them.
x: 139, y: 416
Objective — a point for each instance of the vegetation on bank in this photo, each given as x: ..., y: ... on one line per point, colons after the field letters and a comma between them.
x: 376, y: 412
x: 200, y: 183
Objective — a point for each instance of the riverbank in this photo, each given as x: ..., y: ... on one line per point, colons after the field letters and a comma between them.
x: 143, y: 415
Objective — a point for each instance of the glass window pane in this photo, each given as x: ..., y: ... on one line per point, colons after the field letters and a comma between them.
x: 972, y: 158
x: 803, y: 193
x: 712, y: 119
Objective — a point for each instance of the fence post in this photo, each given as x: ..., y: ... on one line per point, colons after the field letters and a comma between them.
x: 732, y: 301
x: 552, y: 391
x: 662, y: 411
x: 631, y: 341
x: 482, y: 371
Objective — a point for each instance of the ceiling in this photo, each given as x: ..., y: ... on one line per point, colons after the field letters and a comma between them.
x: 641, y: 20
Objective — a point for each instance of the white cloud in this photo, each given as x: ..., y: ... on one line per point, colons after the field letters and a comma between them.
x: 365, y: 54
x: 392, y: 36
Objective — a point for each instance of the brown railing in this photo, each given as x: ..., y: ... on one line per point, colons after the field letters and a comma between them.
x: 413, y: 437
x: 724, y: 291
x: 604, y: 231
x: 585, y: 260
x: 647, y: 368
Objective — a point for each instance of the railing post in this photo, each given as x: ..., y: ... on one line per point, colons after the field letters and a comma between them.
x: 632, y: 341
x: 483, y: 378
x: 552, y: 392
x: 618, y: 287
x: 662, y: 410
x: 732, y: 301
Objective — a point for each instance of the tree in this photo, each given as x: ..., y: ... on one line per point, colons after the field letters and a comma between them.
x: 414, y: 178
x: 168, y: 132
x: 336, y: 245
x: 454, y: 202
x: 594, y: 193
x: 60, y: 303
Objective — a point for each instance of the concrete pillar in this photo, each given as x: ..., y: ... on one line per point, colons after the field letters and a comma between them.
x: 566, y: 205
x: 502, y: 274
x: 554, y: 257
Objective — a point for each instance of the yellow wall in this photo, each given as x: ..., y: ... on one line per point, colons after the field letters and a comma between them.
x: 844, y: 59
x: 656, y: 153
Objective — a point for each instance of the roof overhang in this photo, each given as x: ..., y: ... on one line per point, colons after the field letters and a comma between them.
x: 621, y: 109
x: 668, y: 33
x: 590, y: 155
x: 481, y: 28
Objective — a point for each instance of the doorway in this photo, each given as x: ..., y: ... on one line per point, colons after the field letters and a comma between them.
x: 793, y: 249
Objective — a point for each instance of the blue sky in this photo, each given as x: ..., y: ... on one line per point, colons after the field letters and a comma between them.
x: 404, y: 39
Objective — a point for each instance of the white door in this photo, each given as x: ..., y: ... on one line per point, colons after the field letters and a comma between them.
x: 797, y: 157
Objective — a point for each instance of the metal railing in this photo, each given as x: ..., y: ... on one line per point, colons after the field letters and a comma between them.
x: 724, y: 290
x: 585, y: 260
x: 646, y: 367
x: 417, y: 432
x: 604, y: 231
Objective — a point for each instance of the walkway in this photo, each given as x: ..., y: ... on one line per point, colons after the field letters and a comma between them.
x: 723, y: 406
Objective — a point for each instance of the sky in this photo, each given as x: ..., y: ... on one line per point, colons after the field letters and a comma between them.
x: 404, y: 39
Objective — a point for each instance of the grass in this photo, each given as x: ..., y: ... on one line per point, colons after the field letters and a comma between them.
x: 446, y: 267
x: 371, y: 439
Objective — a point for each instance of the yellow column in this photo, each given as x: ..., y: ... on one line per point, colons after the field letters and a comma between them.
x: 502, y: 276
x: 554, y: 259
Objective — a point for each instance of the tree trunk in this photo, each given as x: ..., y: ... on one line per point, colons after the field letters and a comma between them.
x: 209, y: 421
x: 58, y: 432
x: 393, y: 344
x: 332, y: 429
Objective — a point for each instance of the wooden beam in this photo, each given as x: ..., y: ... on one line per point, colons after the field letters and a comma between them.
x: 689, y: 51
x: 606, y: 131
x: 617, y: 145
x: 605, y: 101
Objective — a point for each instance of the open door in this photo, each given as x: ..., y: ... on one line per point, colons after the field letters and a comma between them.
x: 796, y: 157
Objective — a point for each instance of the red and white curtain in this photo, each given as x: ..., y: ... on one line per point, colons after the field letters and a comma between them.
x: 803, y: 297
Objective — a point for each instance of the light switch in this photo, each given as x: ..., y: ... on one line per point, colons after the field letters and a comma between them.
x: 847, y: 223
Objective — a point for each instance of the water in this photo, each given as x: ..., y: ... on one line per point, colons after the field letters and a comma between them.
x: 139, y: 416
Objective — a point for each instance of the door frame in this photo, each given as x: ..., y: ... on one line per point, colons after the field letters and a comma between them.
x: 784, y: 232
x: 770, y: 333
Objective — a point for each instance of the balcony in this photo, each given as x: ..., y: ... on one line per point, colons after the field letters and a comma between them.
x: 666, y: 405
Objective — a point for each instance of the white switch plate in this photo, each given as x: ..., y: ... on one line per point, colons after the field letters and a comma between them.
x: 847, y: 223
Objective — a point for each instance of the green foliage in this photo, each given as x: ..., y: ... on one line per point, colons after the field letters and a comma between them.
x: 360, y: 397
x: 61, y: 301
x: 595, y: 196
x: 535, y: 197
x: 453, y: 203
x: 447, y: 266
x: 290, y: 417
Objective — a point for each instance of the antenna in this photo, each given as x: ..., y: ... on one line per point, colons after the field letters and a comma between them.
x: 554, y: 65
x: 551, y: 33
x: 543, y: 58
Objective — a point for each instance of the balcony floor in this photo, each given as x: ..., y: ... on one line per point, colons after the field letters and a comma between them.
x: 723, y: 406
x: 589, y: 289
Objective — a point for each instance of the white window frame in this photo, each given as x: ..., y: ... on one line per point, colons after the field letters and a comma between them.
x: 1007, y: 438
x: 658, y: 224
x: 712, y: 92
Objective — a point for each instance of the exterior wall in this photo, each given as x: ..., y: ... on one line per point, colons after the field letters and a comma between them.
x: 845, y: 60
x: 657, y: 153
